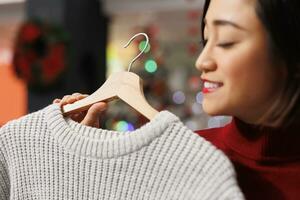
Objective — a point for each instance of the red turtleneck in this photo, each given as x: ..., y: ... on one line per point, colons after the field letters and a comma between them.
x: 267, y: 161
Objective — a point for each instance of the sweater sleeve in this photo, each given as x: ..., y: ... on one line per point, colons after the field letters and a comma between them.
x: 4, y: 178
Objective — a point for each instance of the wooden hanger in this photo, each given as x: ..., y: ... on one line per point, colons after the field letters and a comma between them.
x: 126, y: 86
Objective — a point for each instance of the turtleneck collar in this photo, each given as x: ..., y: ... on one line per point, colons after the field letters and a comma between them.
x: 263, y: 144
x: 100, y: 143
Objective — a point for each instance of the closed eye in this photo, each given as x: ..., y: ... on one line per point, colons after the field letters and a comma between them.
x: 226, y: 44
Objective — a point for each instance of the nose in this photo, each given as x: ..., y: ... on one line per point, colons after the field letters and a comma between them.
x: 205, y: 61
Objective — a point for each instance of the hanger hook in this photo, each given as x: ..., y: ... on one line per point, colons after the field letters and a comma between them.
x: 142, y: 51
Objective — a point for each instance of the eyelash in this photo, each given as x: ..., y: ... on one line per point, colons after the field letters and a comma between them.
x: 203, y: 43
x: 226, y: 45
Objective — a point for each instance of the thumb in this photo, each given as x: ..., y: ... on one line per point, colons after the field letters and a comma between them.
x: 93, y: 115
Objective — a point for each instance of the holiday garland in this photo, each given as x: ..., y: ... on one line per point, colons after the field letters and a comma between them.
x: 40, y: 56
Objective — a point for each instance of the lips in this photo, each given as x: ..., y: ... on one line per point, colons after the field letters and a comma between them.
x: 210, y: 86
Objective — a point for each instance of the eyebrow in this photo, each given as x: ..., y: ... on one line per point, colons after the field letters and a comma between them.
x: 220, y: 22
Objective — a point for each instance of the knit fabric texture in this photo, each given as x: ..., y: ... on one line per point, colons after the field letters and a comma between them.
x: 45, y: 156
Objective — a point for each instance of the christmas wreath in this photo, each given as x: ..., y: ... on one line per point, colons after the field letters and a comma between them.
x: 40, y: 54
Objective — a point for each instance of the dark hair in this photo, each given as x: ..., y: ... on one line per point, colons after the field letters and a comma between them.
x: 281, y: 19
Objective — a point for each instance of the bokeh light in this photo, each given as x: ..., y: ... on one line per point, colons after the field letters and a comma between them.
x: 150, y: 66
x: 5, y: 56
x: 123, y: 126
x: 142, y: 46
x: 130, y: 127
x: 214, y: 122
x: 179, y: 97
x: 197, y: 108
x: 199, y: 97
x: 192, y: 125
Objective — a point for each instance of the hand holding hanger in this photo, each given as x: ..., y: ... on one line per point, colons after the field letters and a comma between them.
x: 126, y: 86
x: 90, y: 117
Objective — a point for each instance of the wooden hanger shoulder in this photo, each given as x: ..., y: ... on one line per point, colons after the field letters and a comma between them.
x: 124, y: 85
x: 132, y: 93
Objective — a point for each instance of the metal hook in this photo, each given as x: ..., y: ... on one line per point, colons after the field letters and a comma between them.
x: 142, y: 51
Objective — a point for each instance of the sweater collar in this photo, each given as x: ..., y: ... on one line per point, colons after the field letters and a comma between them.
x: 264, y: 144
x: 100, y: 143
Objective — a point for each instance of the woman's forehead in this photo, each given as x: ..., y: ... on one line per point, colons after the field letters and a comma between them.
x: 241, y: 12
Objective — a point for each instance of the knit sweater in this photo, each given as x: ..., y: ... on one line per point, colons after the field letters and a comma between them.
x: 45, y: 156
x: 267, y: 161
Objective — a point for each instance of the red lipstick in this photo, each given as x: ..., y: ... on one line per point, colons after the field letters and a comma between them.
x: 210, y: 86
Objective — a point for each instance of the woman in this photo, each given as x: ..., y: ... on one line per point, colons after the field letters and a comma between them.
x: 250, y: 68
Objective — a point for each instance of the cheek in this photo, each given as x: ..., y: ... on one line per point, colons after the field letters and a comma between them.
x: 248, y: 75
x: 238, y: 68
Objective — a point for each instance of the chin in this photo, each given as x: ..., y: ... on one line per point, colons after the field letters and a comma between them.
x: 212, y: 110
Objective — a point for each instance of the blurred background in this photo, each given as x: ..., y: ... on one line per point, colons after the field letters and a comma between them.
x: 50, y: 48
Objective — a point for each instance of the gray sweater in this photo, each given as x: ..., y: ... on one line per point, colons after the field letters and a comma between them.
x: 44, y: 156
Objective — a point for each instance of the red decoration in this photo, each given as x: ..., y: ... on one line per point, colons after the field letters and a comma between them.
x: 53, y: 63
x: 40, y: 54
x: 29, y: 32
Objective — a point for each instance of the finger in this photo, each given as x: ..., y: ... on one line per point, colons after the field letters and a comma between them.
x: 72, y: 98
x: 78, y: 117
x: 64, y: 99
x: 68, y: 99
x: 76, y: 94
x: 75, y: 97
x: 81, y: 96
x: 56, y: 100
x: 93, y: 115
